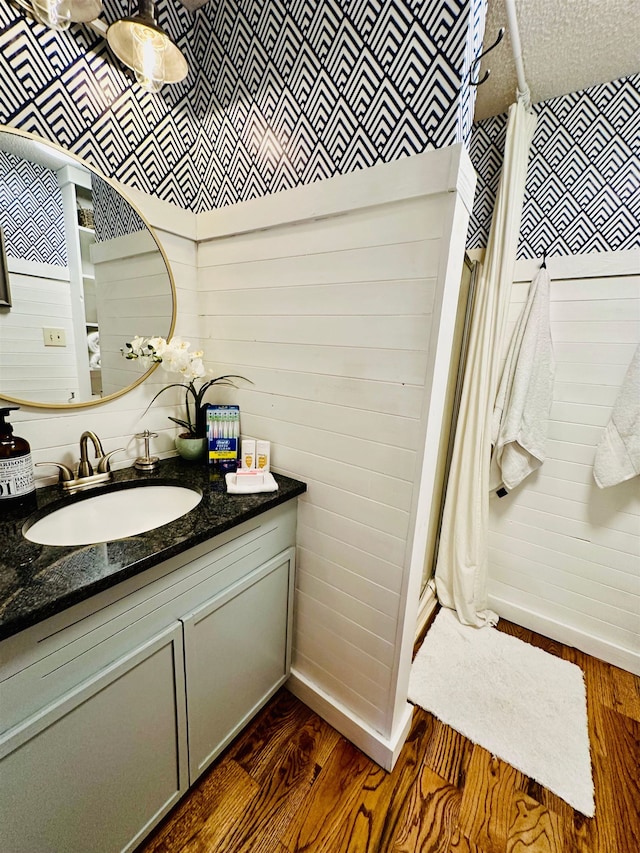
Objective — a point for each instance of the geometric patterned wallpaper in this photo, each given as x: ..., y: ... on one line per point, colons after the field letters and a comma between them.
x: 583, y: 180
x: 31, y: 213
x: 69, y: 88
x: 305, y: 90
x: 114, y: 216
x: 278, y: 94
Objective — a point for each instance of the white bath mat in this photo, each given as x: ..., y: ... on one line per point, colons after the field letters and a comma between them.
x: 520, y: 703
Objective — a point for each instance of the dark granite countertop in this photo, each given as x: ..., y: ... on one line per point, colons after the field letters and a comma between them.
x: 37, y: 581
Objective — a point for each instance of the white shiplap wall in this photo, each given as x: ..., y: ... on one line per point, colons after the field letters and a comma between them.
x: 564, y: 554
x: 41, y: 297
x: 339, y: 317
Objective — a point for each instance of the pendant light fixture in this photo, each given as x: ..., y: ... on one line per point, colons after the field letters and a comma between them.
x: 58, y: 14
x: 137, y: 40
x: 140, y: 44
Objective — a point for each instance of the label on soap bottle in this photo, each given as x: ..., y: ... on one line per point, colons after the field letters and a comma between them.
x: 16, y: 477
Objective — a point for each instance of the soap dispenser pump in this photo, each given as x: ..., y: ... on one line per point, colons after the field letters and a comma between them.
x: 16, y: 468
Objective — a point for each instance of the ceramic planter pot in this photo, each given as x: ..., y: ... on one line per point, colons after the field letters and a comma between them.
x: 191, y: 449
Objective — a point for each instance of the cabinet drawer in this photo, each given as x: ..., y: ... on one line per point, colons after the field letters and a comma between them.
x: 52, y: 658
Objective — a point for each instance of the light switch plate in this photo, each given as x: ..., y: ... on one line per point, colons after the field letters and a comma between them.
x: 54, y: 337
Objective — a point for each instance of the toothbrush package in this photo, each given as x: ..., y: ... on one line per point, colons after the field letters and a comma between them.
x: 223, y: 433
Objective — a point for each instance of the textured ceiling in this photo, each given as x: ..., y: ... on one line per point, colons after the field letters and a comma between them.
x: 567, y: 45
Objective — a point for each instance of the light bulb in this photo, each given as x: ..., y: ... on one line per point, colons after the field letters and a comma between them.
x: 140, y: 44
x: 55, y: 14
x: 149, y: 48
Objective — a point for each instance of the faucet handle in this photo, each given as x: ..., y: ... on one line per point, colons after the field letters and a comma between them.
x: 66, y: 474
x: 85, y: 468
x: 104, y: 464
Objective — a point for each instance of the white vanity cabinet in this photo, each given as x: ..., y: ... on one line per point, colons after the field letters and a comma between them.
x: 95, y: 770
x: 111, y: 709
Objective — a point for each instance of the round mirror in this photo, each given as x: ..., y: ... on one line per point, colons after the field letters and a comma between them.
x: 81, y: 273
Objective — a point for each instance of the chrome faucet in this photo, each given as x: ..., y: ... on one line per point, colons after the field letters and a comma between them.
x: 86, y: 476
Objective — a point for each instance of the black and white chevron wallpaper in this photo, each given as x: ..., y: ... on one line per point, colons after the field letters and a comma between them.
x: 31, y: 214
x: 113, y: 215
x: 69, y: 88
x: 280, y: 92
x: 583, y: 184
x: 305, y: 90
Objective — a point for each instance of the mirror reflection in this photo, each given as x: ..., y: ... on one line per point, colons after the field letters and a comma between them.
x: 84, y: 272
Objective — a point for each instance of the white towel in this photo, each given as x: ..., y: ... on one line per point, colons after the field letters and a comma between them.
x: 521, y: 411
x: 618, y: 453
x: 93, y: 343
x: 248, y: 486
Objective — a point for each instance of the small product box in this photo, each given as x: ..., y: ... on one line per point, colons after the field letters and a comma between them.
x: 223, y: 434
x: 263, y: 455
x: 248, y: 456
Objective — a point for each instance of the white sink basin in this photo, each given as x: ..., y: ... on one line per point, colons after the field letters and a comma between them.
x: 113, y: 515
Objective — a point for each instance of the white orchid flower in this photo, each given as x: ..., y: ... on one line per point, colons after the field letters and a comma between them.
x: 174, y: 357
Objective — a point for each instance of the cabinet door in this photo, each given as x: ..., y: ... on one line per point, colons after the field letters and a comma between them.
x: 237, y: 654
x: 95, y: 770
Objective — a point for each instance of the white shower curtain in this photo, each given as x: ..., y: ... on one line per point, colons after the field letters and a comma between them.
x: 461, y: 569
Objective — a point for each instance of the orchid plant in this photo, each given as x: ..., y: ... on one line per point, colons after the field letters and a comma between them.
x: 175, y: 356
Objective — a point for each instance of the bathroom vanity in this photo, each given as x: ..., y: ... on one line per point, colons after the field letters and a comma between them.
x: 126, y: 667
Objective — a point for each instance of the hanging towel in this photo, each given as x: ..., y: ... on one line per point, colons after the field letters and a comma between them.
x: 618, y: 453
x: 521, y: 411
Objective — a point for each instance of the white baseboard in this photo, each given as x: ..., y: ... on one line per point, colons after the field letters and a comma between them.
x: 426, y: 607
x: 384, y: 751
x: 626, y: 659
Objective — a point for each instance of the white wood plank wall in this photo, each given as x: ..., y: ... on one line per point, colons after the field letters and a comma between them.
x: 332, y: 321
x: 40, y: 299
x: 564, y: 554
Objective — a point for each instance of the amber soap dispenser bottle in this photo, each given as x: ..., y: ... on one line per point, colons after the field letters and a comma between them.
x: 16, y: 468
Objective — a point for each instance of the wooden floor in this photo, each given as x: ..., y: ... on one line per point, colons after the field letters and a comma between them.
x: 291, y: 783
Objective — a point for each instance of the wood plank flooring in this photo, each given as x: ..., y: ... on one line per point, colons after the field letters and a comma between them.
x: 291, y: 783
